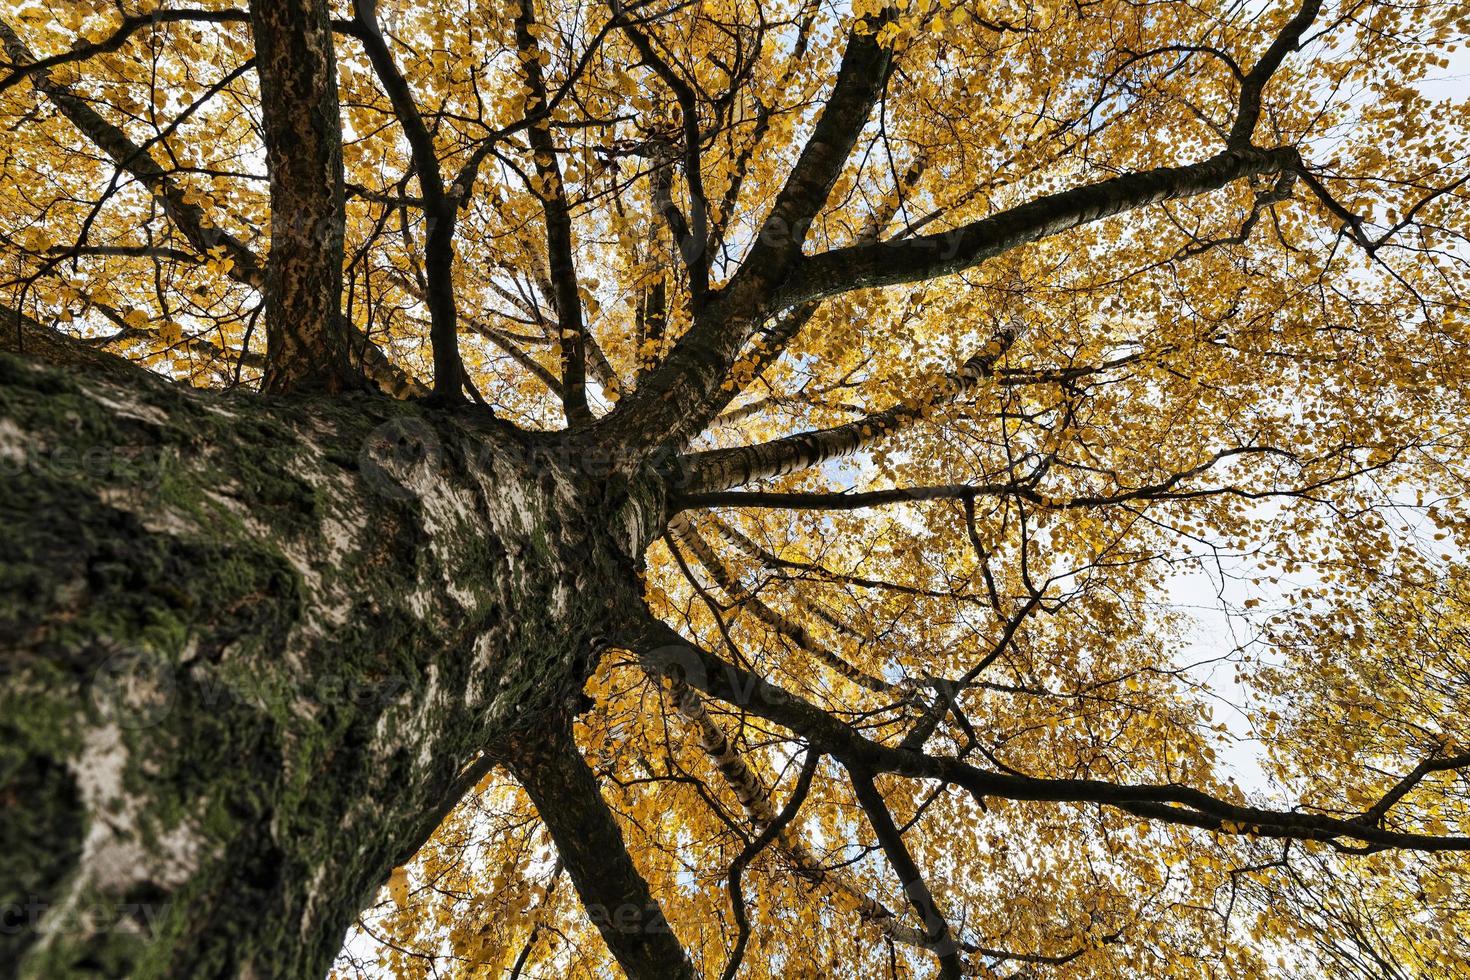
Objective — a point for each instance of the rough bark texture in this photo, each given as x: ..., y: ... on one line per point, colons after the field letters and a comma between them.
x: 306, y: 338
x: 249, y: 649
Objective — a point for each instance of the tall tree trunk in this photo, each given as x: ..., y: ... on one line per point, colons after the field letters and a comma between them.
x: 251, y: 649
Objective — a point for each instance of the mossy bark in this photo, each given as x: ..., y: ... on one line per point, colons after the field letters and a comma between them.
x: 250, y: 649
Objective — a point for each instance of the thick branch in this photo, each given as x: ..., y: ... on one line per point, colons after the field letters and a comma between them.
x: 679, y: 397
x: 1254, y: 83
x: 591, y: 846
x: 944, y: 253
x: 720, y: 469
x: 23, y: 334
x: 890, y: 838
x: 664, y: 651
x: 693, y: 237
x: 866, y: 65
x: 306, y: 341
x: 866, y: 266
x: 774, y: 338
x: 126, y: 28
x: 1379, y: 810
x: 560, y: 257
x: 686, y: 391
x: 440, y: 209
x: 1167, y: 488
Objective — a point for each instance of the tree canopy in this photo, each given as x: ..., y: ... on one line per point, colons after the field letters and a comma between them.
x: 977, y: 344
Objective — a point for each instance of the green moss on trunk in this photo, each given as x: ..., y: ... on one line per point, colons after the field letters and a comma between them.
x: 250, y: 647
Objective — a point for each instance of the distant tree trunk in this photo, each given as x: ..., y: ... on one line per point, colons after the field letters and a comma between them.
x: 252, y: 649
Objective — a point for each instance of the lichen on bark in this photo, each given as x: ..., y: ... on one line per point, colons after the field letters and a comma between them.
x: 251, y: 648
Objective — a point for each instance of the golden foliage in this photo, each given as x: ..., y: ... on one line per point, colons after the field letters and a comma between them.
x: 1225, y: 399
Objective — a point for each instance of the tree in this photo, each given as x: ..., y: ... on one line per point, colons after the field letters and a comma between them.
x: 725, y: 466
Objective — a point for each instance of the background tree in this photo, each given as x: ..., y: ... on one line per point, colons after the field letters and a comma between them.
x: 729, y: 467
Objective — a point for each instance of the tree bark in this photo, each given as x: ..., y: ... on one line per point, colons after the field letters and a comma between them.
x: 251, y: 648
x: 306, y: 337
x: 590, y: 844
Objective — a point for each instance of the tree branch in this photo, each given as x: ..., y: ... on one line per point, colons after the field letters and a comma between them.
x: 126, y: 28
x: 720, y: 469
x: 679, y: 397
x: 890, y: 838
x: 769, y: 833
x: 1376, y: 813
x: 25, y: 335
x: 561, y: 261
x: 755, y: 799
x: 246, y: 268
x: 866, y: 266
x: 664, y: 651
x: 1164, y: 489
x: 709, y: 560
x: 1254, y: 83
x: 441, y: 209
x: 693, y: 237
x: 591, y: 846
